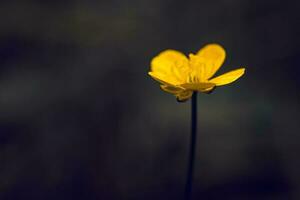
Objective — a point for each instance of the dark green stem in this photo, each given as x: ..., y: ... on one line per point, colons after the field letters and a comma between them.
x: 189, y: 181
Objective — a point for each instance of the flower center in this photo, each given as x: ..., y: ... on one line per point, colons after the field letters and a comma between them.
x: 193, y: 78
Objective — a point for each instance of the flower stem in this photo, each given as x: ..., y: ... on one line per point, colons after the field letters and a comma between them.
x: 189, y: 181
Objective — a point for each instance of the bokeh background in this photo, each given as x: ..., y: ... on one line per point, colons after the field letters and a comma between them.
x: 80, y: 118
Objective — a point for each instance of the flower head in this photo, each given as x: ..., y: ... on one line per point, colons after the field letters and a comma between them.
x: 181, y: 75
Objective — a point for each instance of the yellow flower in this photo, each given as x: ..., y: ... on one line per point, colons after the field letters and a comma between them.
x: 181, y: 76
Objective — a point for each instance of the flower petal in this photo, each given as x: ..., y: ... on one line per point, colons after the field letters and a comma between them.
x: 209, y: 90
x: 184, y: 95
x: 164, y: 79
x: 171, y: 89
x: 202, y: 86
x: 228, y: 77
x: 214, y: 56
x: 198, y: 66
x: 171, y: 62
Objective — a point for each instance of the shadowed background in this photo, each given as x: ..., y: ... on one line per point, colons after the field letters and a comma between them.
x: 81, y: 119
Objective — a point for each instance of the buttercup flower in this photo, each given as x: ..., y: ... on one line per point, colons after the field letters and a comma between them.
x: 181, y: 76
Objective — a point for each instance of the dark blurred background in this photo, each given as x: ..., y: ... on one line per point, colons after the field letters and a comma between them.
x: 81, y: 119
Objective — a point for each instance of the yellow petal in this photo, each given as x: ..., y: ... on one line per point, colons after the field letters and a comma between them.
x: 198, y: 66
x: 228, y: 77
x: 214, y: 56
x: 170, y: 63
x: 202, y: 86
x: 184, y: 95
x: 164, y: 79
x: 171, y: 89
x: 209, y: 90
